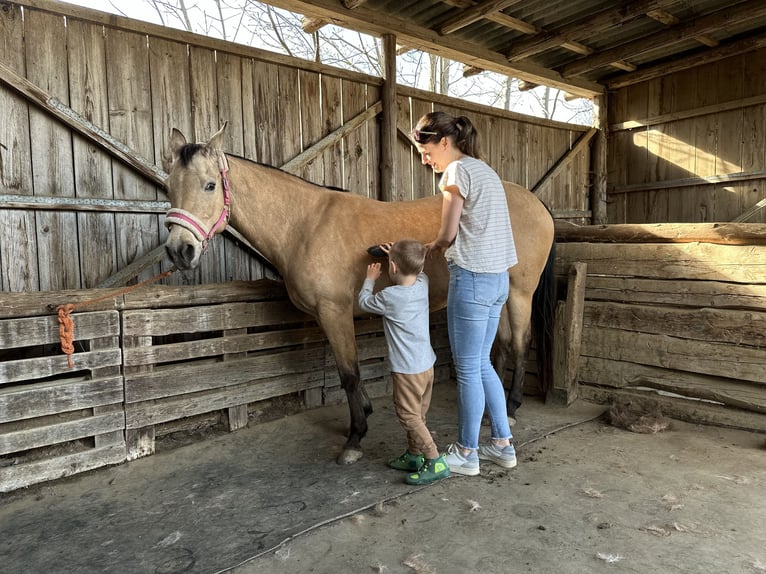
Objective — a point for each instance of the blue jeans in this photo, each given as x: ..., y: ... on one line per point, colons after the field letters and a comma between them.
x: 474, y: 303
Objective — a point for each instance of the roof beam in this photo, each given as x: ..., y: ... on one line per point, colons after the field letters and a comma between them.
x: 690, y: 29
x: 367, y: 20
x: 583, y: 28
x: 475, y: 13
x: 669, y: 19
x: 724, y: 51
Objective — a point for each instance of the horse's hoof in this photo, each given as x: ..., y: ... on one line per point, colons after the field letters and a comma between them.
x: 349, y: 456
x: 511, y: 420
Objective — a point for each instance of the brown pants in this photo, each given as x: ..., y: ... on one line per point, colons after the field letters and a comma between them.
x: 412, y: 397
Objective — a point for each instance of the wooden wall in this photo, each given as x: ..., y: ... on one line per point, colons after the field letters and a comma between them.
x: 72, y: 215
x: 690, y: 146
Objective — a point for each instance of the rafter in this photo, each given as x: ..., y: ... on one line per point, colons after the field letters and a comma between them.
x: 669, y: 19
x: 686, y: 30
x: 474, y: 13
x: 583, y: 28
x: 365, y: 19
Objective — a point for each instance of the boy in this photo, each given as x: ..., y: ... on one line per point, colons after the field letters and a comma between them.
x: 404, y: 307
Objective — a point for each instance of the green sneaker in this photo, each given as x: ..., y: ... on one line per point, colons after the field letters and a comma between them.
x: 407, y: 461
x: 433, y: 470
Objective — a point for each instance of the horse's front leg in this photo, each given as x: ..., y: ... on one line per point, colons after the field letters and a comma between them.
x: 339, y: 329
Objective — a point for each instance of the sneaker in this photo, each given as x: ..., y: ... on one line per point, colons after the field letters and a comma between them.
x: 505, y: 457
x: 407, y: 461
x: 434, y: 469
x: 467, y: 465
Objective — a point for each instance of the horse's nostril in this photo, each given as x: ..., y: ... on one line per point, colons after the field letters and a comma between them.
x: 187, y: 254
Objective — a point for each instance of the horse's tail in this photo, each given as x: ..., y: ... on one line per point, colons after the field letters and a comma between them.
x: 543, y: 318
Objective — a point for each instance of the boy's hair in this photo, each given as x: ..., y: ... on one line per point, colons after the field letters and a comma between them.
x: 409, y: 255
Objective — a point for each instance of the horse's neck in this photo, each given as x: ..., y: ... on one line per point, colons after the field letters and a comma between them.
x: 270, y: 207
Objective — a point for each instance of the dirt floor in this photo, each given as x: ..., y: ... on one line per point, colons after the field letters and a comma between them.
x: 586, y: 497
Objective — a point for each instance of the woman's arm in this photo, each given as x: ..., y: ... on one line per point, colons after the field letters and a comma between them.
x: 452, y: 207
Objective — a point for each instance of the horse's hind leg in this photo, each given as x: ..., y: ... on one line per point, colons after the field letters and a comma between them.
x: 513, y: 337
x: 339, y: 329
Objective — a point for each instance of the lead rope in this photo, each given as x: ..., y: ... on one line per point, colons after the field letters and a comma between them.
x: 66, y: 325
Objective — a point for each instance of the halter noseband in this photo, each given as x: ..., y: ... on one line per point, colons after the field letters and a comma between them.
x: 181, y: 217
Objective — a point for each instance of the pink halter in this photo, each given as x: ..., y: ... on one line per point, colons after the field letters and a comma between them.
x: 175, y: 216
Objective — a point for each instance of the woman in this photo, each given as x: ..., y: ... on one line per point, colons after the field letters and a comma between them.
x: 476, y: 236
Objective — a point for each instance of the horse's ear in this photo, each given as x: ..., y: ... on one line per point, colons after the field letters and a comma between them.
x: 177, y: 141
x: 216, y: 141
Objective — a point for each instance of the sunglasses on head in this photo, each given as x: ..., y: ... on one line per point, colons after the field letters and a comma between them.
x: 418, y: 134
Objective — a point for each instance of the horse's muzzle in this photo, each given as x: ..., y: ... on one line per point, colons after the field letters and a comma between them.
x: 184, y: 256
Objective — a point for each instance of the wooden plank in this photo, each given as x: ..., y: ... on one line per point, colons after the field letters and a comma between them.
x: 204, y: 375
x: 51, y: 434
x: 695, y: 412
x: 237, y: 416
x: 289, y: 117
x: 689, y: 294
x: 297, y: 163
x: 718, y: 233
x: 160, y: 322
x: 50, y: 398
x: 569, y: 324
x: 28, y: 332
x: 311, y: 125
x: 130, y: 117
x: 690, y: 261
x: 139, y: 415
x: 732, y: 326
x: 185, y: 351
x: 56, y: 234
x: 354, y: 143
x: 689, y: 182
x: 716, y: 359
x: 703, y: 110
x: 266, y: 108
x: 15, y: 477
x: 332, y: 119
x: 204, y: 107
x: 88, y: 92
x: 565, y: 160
x: 38, y: 368
x: 623, y: 374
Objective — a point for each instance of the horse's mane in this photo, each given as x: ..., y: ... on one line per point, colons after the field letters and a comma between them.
x: 189, y: 150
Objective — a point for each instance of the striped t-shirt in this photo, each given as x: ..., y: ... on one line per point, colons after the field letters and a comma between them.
x: 484, y: 242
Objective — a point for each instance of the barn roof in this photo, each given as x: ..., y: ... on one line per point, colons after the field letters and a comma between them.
x: 581, y: 46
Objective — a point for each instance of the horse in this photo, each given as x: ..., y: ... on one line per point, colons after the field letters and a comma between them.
x: 317, y: 239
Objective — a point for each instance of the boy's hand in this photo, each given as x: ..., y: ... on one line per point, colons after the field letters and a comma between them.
x: 373, y: 271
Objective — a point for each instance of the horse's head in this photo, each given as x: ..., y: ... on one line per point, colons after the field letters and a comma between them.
x: 198, y: 189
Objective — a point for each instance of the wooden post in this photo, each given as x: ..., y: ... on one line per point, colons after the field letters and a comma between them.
x: 566, y: 350
x: 388, y: 127
x: 237, y: 415
x: 599, y: 162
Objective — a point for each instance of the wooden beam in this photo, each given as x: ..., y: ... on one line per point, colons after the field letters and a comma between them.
x: 388, y: 127
x: 474, y: 13
x: 716, y: 233
x: 469, y: 71
x: 299, y: 161
x: 59, y: 203
x: 581, y: 144
x: 725, y: 17
x: 368, y: 20
x: 744, y: 216
x: 66, y: 115
x: 598, y: 160
x: 568, y: 339
x: 669, y: 19
x: 351, y: 4
x: 689, y: 181
x: 583, y: 28
x: 693, y: 113
x: 311, y: 25
x: 708, y: 56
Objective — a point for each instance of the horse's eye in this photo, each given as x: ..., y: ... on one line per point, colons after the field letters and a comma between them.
x: 210, y: 186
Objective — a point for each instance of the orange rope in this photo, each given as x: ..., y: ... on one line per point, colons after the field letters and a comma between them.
x: 66, y: 325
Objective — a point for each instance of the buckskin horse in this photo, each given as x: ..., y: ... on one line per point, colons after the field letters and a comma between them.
x: 317, y: 239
